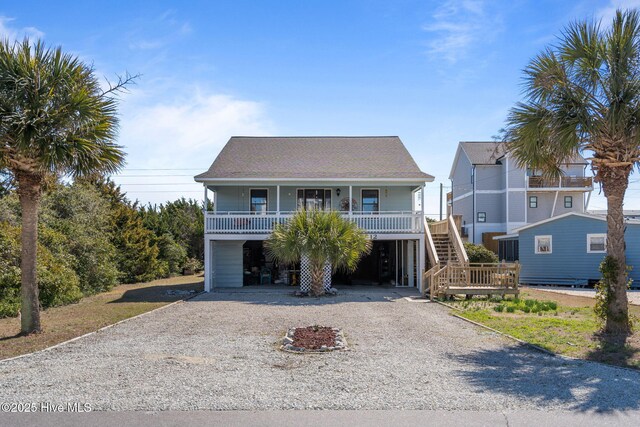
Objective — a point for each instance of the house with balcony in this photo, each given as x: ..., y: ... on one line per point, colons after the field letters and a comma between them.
x: 256, y: 182
x: 494, y: 196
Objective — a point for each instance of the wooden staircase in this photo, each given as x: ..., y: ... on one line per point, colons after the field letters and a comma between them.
x: 450, y: 272
x: 444, y: 248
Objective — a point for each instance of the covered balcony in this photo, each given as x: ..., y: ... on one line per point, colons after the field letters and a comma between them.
x: 574, y: 183
x: 261, y: 223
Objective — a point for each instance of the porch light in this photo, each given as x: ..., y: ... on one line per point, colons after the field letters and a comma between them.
x: 338, y: 192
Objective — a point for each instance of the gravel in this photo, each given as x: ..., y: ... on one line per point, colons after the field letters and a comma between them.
x: 219, y: 351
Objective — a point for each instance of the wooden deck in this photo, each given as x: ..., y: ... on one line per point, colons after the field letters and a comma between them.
x: 473, y: 279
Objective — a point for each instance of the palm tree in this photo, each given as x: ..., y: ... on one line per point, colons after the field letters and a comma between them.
x: 583, y: 96
x: 55, y: 120
x: 322, y: 237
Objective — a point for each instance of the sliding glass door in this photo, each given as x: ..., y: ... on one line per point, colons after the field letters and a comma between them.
x: 314, y: 198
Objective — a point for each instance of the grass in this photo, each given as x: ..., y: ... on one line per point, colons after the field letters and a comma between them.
x: 92, y: 313
x: 563, y: 324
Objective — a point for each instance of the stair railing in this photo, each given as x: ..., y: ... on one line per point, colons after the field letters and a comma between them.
x: 430, y: 246
x: 456, y: 241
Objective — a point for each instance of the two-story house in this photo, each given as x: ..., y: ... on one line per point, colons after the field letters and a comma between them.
x: 256, y: 182
x: 494, y: 196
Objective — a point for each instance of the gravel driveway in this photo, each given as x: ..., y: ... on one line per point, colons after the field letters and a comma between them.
x: 218, y: 351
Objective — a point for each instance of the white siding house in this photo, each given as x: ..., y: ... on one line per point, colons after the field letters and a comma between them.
x: 257, y: 181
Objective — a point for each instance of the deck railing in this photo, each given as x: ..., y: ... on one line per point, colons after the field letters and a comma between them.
x: 473, y: 279
x: 391, y: 222
x: 562, y: 182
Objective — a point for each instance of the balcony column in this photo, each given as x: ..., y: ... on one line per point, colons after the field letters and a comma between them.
x: 422, y: 198
x: 206, y: 200
x: 350, y: 200
x: 278, y: 199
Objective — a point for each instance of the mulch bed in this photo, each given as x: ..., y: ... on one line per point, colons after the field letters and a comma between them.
x: 314, y: 337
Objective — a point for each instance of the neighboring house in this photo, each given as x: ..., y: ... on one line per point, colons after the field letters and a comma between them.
x: 566, y: 249
x: 628, y: 214
x: 494, y: 196
x: 259, y: 181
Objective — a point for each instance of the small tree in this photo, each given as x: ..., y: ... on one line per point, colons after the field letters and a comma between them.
x: 322, y: 237
x: 54, y: 120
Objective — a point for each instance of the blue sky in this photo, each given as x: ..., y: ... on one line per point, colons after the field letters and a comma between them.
x: 432, y: 72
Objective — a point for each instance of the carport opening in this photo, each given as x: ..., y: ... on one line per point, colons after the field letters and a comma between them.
x: 390, y: 263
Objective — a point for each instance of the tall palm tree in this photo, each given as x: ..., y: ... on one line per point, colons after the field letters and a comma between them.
x: 583, y: 96
x: 55, y: 120
x: 322, y: 237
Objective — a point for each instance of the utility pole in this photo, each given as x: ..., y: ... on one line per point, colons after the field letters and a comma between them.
x: 440, y: 201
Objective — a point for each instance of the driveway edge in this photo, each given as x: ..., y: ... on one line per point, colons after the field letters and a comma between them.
x: 69, y: 341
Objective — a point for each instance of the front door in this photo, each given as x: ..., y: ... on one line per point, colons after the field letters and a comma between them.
x: 314, y: 198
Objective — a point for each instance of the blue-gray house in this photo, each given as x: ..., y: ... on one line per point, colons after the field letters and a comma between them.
x: 567, y: 249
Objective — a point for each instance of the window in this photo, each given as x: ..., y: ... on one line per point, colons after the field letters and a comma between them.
x: 482, y: 217
x: 544, y: 244
x: 259, y: 200
x: 533, y: 201
x: 568, y: 202
x: 370, y: 200
x: 596, y: 243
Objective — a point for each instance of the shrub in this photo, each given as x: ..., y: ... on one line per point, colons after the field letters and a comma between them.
x: 172, y: 253
x: 195, y: 265
x: 57, y: 282
x: 511, y: 309
x: 81, y: 215
x: 480, y: 254
x: 499, y: 308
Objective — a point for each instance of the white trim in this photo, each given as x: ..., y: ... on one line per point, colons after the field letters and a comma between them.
x: 379, y: 199
x: 465, y: 195
x: 506, y: 197
x: 258, y: 188
x: 505, y: 236
x: 555, y: 200
x: 230, y: 181
x: 536, y: 247
x: 592, y: 235
x: 584, y: 215
x: 455, y: 160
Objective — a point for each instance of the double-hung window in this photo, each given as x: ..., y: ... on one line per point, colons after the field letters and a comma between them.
x: 544, y: 244
x: 596, y: 243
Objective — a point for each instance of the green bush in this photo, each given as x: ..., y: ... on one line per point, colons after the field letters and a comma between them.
x: 172, y: 253
x: 57, y: 282
x: 480, y: 254
x: 80, y: 213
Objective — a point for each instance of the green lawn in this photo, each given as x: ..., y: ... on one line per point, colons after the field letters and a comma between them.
x: 94, y: 312
x: 560, y: 323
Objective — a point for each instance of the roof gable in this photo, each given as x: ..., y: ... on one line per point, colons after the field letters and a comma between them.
x: 378, y: 157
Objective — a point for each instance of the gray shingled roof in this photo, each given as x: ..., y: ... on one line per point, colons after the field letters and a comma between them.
x: 365, y: 157
x: 486, y: 153
x: 483, y: 153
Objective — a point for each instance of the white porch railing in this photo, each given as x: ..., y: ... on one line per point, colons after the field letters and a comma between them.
x: 262, y: 223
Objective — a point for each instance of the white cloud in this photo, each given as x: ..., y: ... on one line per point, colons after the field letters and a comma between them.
x: 458, y: 25
x: 187, y: 132
x: 12, y: 33
x: 606, y: 14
